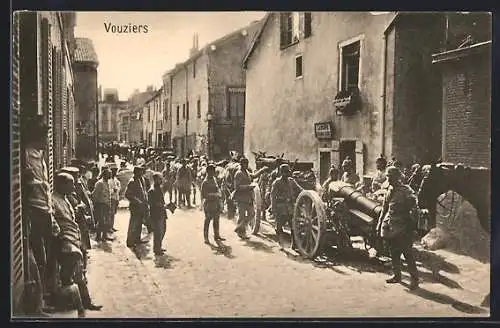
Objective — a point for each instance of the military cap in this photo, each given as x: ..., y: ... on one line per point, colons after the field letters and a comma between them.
x: 284, y: 168
x: 394, y: 171
x: 381, y: 160
x: 113, y: 166
x: 70, y: 169
x: 210, y: 167
x: 243, y: 160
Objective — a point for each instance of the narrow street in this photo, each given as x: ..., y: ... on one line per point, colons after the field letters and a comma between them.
x: 256, y: 279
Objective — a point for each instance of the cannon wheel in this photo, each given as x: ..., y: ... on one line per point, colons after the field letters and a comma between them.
x: 254, y: 224
x: 308, y: 223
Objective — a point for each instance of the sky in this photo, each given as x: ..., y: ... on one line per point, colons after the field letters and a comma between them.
x: 129, y: 61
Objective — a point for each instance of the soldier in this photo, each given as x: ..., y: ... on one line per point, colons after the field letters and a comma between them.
x: 211, y: 195
x: 167, y: 180
x: 158, y: 213
x: 70, y: 256
x: 231, y: 169
x: 349, y: 176
x: 284, y: 190
x: 395, y: 225
x: 102, y: 202
x: 136, y: 193
x: 243, y: 196
x: 380, y: 176
x: 183, y: 181
x: 114, y: 187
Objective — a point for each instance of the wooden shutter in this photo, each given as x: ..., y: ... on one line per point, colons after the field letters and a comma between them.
x: 307, y: 24
x: 47, y: 105
x: 17, y: 267
x: 57, y: 110
x: 283, y: 29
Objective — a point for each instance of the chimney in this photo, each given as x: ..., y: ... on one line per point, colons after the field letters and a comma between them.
x: 194, y: 49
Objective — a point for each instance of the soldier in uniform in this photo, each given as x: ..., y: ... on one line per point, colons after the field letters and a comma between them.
x: 136, y: 193
x: 396, y: 225
x: 284, y: 190
x: 158, y: 213
x: 101, y: 195
x: 380, y: 176
x: 231, y: 169
x: 211, y: 195
x: 349, y: 176
x: 183, y: 181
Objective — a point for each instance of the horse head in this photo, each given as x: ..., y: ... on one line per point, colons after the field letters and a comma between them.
x: 434, y: 182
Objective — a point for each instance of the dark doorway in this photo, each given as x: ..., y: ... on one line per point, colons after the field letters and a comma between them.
x: 348, y: 148
x: 325, y: 161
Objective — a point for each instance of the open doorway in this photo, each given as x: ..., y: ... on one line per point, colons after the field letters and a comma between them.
x: 325, y: 161
x: 348, y: 149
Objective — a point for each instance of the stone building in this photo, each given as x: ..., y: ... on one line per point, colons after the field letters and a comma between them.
x: 110, y: 108
x: 42, y: 83
x: 205, y: 96
x: 465, y: 66
x: 130, y: 120
x: 86, y: 91
x: 321, y: 86
x: 153, y: 120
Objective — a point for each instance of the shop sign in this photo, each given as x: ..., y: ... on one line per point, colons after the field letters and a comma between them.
x: 323, y: 130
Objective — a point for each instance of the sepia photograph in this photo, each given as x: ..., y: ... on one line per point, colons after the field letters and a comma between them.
x: 250, y: 164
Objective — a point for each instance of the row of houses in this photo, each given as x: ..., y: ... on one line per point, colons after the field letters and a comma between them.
x: 54, y: 74
x: 321, y: 86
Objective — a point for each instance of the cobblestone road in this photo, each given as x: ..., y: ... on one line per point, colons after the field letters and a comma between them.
x: 256, y: 279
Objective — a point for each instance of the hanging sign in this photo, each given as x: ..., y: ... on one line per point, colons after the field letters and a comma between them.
x: 323, y: 130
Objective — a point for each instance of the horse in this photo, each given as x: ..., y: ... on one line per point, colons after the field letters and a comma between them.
x: 472, y: 183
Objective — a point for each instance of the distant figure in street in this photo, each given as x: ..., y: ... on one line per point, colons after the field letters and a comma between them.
x: 284, y: 190
x: 168, y: 180
x: 211, y: 195
x: 231, y: 169
x: 95, y: 176
x: 158, y: 213
x: 102, y: 202
x: 136, y: 193
x: 395, y: 225
x: 114, y: 187
x: 183, y: 181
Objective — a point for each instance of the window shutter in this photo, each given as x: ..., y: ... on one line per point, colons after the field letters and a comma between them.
x: 58, y: 128
x: 283, y: 29
x: 360, y: 160
x: 47, y: 95
x: 307, y: 24
x: 17, y: 273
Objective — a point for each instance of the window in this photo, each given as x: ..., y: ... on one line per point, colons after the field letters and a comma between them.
x: 165, y: 111
x: 187, y: 111
x: 149, y: 113
x: 293, y: 27
x: 298, y: 66
x: 194, y: 69
x: 178, y: 118
x: 236, y: 104
x: 183, y: 111
x: 198, y: 108
x: 350, y: 55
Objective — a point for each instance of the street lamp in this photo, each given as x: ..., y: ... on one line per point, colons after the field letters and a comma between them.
x: 209, y: 135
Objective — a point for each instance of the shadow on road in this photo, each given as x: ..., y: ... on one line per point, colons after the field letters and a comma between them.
x: 445, y: 299
x: 105, y: 246
x: 259, y: 246
x: 222, y: 249
x: 142, y: 251
x: 165, y: 261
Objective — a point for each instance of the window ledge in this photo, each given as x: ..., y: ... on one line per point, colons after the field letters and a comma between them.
x: 289, y: 45
x: 299, y: 77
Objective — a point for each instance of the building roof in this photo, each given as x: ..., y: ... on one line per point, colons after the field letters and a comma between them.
x: 253, y: 27
x: 256, y: 38
x: 85, y: 51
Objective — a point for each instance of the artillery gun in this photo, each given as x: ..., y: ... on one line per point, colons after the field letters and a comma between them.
x: 331, y: 220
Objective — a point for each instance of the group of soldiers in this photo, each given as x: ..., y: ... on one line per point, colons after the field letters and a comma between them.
x: 60, y: 224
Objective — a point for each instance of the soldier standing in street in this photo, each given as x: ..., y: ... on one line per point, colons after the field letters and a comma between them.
x: 243, y: 196
x: 102, y: 202
x: 183, y: 181
x: 395, y: 225
x: 139, y: 208
x: 114, y: 187
x: 284, y: 190
x: 211, y: 195
x: 231, y: 169
x: 158, y: 213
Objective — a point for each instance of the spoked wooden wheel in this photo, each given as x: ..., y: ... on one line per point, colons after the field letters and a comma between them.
x: 308, y: 223
x: 254, y: 223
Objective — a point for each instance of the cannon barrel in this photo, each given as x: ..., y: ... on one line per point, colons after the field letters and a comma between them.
x: 355, y: 199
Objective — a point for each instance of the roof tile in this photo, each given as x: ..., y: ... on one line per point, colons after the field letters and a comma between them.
x: 85, y: 51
